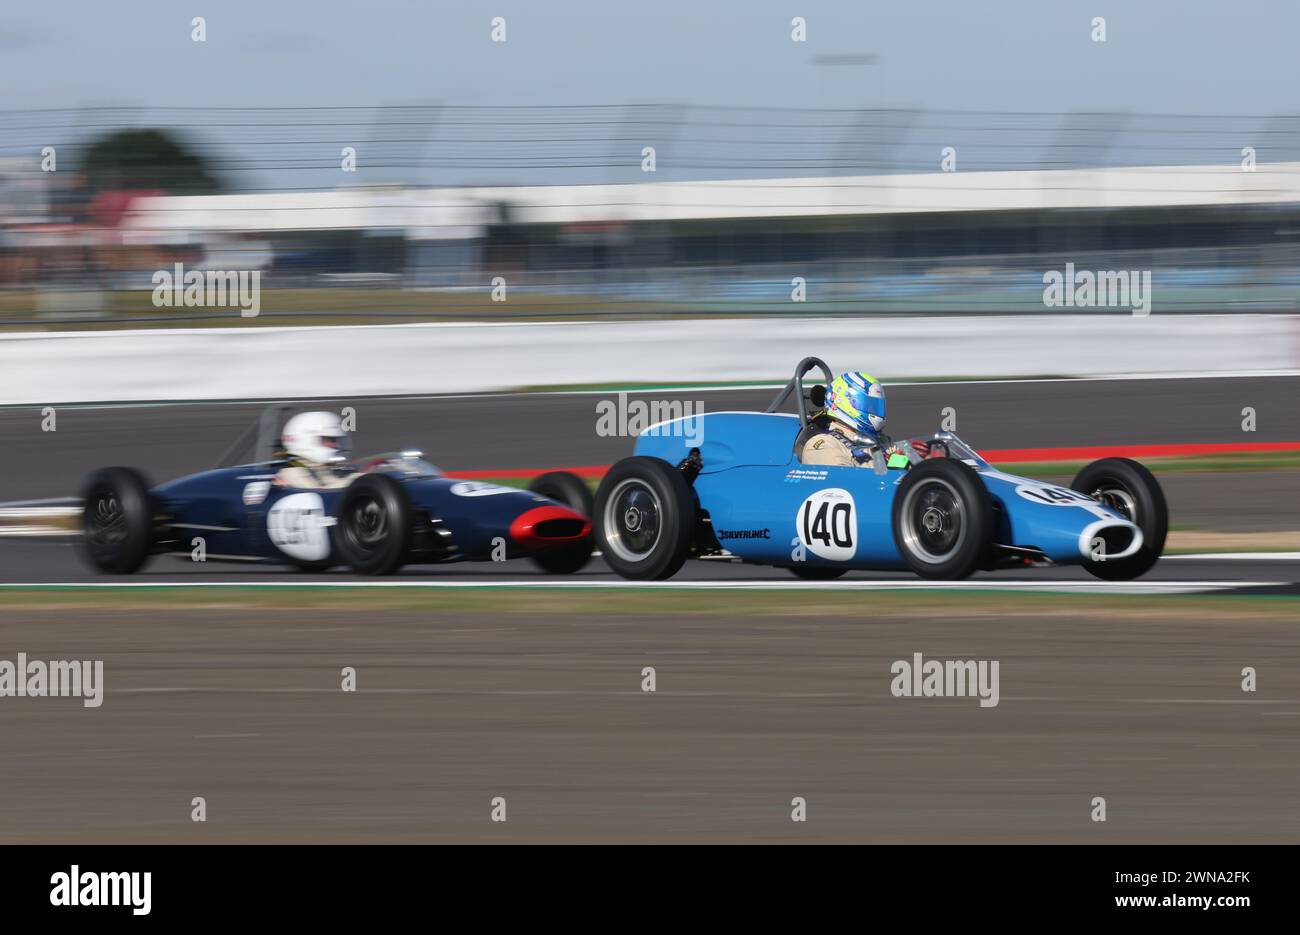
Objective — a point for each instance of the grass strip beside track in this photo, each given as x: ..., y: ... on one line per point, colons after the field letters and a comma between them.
x: 653, y: 599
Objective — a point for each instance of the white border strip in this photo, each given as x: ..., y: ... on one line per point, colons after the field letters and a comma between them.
x: 54, y: 368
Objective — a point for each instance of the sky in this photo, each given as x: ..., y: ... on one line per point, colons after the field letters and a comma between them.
x: 1160, y: 56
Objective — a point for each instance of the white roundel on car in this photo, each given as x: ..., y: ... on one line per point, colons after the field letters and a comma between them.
x: 298, y: 527
x: 828, y: 524
x: 473, y: 488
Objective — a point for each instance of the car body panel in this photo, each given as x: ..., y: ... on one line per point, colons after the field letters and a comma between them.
x: 241, y: 514
x: 726, y: 439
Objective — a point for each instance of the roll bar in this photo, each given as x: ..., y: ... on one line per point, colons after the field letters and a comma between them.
x: 796, y: 386
x: 263, y: 435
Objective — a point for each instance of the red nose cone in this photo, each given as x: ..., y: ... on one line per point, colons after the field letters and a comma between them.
x: 546, y: 525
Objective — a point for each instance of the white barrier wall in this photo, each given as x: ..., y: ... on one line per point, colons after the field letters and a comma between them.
x: 282, y: 363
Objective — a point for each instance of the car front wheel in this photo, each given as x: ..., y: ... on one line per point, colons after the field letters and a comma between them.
x: 373, y: 533
x: 645, y: 518
x: 943, y: 519
x: 117, y: 520
x: 572, y: 491
x: 1129, y: 489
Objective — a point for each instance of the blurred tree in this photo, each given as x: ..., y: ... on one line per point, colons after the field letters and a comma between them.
x: 147, y: 159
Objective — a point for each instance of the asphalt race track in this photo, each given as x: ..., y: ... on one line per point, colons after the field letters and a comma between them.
x: 538, y: 431
x: 59, y: 562
x: 536, y: 698
x: 551, y: 430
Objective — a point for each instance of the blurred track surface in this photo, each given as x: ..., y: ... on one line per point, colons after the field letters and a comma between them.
x: 48, y: 561
x: 540, y: 702
x: 539, y: 430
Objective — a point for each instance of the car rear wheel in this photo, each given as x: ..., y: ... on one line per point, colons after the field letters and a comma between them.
x: 373, y: 534
x: 645, y: 518
x: 573, y: 492
x: 943, y: 520
x: 117, y: 520
x: 1129, y: 489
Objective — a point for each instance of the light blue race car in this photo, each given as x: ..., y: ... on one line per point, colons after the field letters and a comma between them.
x: 730, y: 484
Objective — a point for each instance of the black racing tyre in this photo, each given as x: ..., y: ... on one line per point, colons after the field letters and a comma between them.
x: 566, y: 488
x: 564, y: 560
x: 817, y: 572
x: 310, y: 567
x: 943, y: 519
x: 1129, y: 489
x: 645, y: 518
x: 117, y: 520
x: 572, y: 491
x: 373, y: 534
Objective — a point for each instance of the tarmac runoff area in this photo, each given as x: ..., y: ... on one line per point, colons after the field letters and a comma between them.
x: 762, y: 700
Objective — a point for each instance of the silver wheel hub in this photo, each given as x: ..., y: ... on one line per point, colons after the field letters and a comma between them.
x: 933, y: 521
x: 632, y: 520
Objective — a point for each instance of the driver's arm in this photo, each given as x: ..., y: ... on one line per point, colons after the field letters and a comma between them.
x: 293, y: 477
x: 829, y: 450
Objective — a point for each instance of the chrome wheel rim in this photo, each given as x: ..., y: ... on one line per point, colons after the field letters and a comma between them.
x: 632, y: 520
x: 933, y: 521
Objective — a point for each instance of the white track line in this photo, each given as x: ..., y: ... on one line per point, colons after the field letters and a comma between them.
x: 1045, y: 587
x: 1236, y: 556
x: 21, y: 511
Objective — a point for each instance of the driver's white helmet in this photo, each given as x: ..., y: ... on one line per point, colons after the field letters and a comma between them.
x: 316, y: 437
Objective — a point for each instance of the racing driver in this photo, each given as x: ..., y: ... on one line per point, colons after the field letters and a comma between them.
x: 852, y: 425
x: 316, y: 445
x: 853, y: 420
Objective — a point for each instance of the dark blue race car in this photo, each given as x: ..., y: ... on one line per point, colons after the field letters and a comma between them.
x: 730, y: 484
x: 400, y: 510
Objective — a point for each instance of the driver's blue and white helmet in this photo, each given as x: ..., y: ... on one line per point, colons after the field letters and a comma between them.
x: 857, y: 400
x: 316, y: 438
